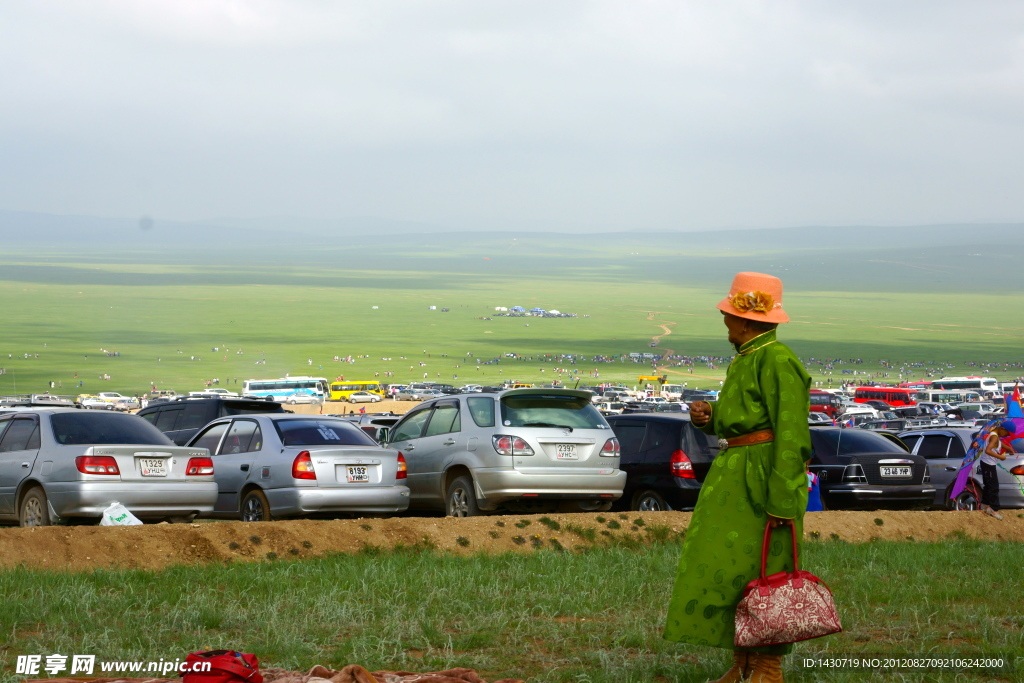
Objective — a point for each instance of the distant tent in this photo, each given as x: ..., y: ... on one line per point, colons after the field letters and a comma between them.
x: 554, y: 312
x: 537, y: 310
x: 517, y: 309
x: 501, y: 308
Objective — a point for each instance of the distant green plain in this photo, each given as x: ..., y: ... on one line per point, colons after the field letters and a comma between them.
x: 287, y: 306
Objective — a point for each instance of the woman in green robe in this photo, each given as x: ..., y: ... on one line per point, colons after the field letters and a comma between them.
x: 747, y: 486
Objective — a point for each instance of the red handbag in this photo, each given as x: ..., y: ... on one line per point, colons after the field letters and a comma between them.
x: 786, y: 607
x: 221, y: 666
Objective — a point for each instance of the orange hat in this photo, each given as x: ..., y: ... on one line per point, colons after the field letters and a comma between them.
x: 755, y: 296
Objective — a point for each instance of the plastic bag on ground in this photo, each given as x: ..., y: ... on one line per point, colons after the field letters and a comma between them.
x: 118, y: 515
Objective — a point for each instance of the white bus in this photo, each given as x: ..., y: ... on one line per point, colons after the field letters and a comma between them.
x: 986, y: 386
x: 288, y: 389
x: 952, y: 397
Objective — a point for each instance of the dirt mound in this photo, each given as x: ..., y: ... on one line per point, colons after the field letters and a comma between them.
x: 160, y: 545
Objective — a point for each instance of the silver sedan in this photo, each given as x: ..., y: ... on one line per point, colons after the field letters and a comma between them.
x: 275, y: 466
x: 65, y: 464
x: 364, y: 397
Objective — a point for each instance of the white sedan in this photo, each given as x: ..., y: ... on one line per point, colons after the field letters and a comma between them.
x: 363, y: 397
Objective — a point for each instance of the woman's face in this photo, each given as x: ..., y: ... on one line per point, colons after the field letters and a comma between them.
x: 737, y: 327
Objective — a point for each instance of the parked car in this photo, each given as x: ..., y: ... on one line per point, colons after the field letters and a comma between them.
x: 93, y: 402
x: 364, y: 397
x: 945, y: 449
x: 672, y: 408
x: 214, y: 391
x: 665, y: 459
x: 524, y: 449
x: 857, y: 468
x: 61, y: 465
x: 819, y: 418
x: 609, y: 407
x: 411, y: 394
x: 273, y: 466
x: 374, y: 424
x: 182, y: 418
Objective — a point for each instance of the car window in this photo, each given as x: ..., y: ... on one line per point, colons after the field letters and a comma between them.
x: 660, y: 434
x: 443, y: 421
x: 411, y: 427
x: 244, y: 436
x: 250, y: 407
x: 167, y: 419
x: 956, y: 449
x: 149, y: 417
x: 313, y: 432
x: 209, y: 438
x: 852, y: 441
x: 550, y: 411
x: 934, y: 446
x: 195, y: 416
x: 18, y: 435
x: 93, y: 428
x: 482, y: 410
x: 911, y: 441
x: 630, y: 435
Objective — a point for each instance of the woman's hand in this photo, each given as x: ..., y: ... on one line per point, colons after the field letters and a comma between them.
x: 700, y: 413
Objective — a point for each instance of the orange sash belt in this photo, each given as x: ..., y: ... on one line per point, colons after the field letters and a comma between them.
x: 751, y: 439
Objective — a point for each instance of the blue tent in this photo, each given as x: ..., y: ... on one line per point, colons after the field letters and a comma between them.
x: 518, y: 309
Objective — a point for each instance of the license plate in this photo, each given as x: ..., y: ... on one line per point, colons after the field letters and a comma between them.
x: 896, y: 471
x: 566, y: 451
x: 357, y: 473
x: 153, y: 467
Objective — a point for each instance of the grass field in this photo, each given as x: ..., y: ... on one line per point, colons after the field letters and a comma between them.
x: 547, y: 616
x: 161, y: 309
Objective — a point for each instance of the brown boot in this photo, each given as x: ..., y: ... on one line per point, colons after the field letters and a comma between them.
x: 765, y: 668
x: 740, y: 668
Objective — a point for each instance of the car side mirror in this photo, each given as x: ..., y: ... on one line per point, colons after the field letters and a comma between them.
x: 382, y: 434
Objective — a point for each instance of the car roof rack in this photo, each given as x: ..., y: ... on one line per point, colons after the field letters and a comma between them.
x: 48, y: 400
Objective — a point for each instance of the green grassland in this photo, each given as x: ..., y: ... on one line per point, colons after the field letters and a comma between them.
x: 288, y: 303
x: 546, y: 616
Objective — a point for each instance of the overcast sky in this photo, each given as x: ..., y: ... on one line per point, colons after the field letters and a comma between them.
x: 479, y: 114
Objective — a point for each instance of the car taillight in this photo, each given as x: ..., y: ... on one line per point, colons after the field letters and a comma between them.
x: 403, y: 470
x: 680, y: 465
x: 511, y: 445
x: 96, y: 464
x: 1018, y: 470
x: 302, y: 466
x: 610, y: 448
x: 199, y: 467
x: 854, y: 474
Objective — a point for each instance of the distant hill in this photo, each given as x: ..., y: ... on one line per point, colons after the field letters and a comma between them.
x: 18, y: 228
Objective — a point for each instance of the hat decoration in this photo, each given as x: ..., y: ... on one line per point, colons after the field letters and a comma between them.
x: 758, y: 302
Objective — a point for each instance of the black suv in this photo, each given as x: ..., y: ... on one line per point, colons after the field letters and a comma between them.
x: 181, y: 418
x: 665, y: 459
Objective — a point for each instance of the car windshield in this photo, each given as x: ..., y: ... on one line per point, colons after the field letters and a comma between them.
x: 853, y: 441
x: 321, y: 433
x: 89, y: 428
x: 550, y: 411
x: 251, y: 407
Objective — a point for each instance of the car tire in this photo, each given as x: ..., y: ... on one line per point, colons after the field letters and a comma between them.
x: 648, y: 501
x: 967, y: 500
x: 291, y: 401
x: 255, y: 507
x: 460, y: 500
x: 33, y: 510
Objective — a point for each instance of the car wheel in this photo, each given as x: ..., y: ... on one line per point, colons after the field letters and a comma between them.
x: 649, y: 501
x: 967, y: 500
x: 461, y: 501
x: 34, y: 511
x: 255, y: 507
x: 291, y: 401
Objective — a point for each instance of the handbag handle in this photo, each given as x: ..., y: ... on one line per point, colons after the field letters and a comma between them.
x: 764, y: 547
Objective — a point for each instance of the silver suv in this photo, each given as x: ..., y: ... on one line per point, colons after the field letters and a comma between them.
x: 527, y: 450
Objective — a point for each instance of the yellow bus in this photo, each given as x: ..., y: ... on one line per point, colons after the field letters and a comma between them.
x: 341, y: 390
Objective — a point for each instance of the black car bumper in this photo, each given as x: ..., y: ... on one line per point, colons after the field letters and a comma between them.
x: 867, y: 495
